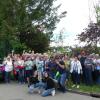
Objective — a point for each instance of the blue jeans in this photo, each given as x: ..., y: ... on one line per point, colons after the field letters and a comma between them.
x: 36, y: 86
x: 52, y: 75
x: 62, y: 81
x: 47, y: 92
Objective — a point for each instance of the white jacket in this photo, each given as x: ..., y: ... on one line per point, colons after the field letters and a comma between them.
x: 8, y: 66
x: 79, y: 67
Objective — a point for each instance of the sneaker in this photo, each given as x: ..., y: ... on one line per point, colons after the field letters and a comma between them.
x: 39, y: 92
x: 53, y: 93
x: 30, y: 92
x: 73, y: 86
x: 78, y: 86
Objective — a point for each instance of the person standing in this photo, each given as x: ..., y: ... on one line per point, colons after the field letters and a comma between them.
x: 20, y: 67
x: 61, y: 69
x: 51, y: 67
x: 82, y: 60
x: 75, y: 70
x: 39, y: 65
x: 28, y: 69
x: 89, y: 66
x: 8, y: 69
x: 97, y: 69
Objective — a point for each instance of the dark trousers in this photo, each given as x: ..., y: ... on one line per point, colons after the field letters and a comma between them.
x: 27, y: 74
x: 75, y: 78
x: 83, y: 75
x: 21, y: 76
x: 7, y: 77
x: 88, y: 76
x: 97, y: 75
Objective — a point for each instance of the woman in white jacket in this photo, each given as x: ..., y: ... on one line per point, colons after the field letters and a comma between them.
x: 8, y: 69
x: 76, y: 70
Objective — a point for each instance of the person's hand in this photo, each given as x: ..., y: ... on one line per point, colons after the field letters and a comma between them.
x: 57, y: 62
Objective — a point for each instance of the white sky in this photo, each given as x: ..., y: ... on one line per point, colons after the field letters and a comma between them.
x: 76, y: 20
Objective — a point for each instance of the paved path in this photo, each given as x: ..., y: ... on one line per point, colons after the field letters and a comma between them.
x: 19, y: 92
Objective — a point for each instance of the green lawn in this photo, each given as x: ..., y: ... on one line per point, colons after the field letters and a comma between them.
x: 88, y: 89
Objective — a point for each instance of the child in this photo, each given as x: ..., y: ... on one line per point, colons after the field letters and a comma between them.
x: 76, y: 70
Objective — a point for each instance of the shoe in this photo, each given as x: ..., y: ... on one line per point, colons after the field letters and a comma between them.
x: 78, y: 86
x: 73, y: 86
x: 53, y: 93
x: 30, y: 92
x: 39, y: 92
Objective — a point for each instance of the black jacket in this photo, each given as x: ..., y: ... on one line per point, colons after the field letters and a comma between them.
x: 33, y: 80
x: 49, y: 82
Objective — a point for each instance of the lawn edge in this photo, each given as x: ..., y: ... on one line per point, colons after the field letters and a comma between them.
x: 96, y: 95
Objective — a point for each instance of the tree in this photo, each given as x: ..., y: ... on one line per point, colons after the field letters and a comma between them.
x: 22, y: 21
x: 7, y: 27
x: 97, y: 11
x: 91, y: 35
x: 38, y: 16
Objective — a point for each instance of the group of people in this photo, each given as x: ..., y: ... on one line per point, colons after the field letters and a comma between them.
x: 46, y: 74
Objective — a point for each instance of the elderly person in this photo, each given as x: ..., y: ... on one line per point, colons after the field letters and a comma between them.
x: 89, y: 67
x: 8, y: 69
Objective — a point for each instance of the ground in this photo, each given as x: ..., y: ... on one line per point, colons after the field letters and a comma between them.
x: 15, y: 91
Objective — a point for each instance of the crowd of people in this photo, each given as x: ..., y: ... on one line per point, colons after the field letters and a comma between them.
x: 46, y: 74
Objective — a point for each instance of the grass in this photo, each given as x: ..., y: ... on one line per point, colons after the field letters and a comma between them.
x: 83, y: 88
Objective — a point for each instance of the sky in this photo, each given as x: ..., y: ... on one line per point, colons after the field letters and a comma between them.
x: 77, y: 18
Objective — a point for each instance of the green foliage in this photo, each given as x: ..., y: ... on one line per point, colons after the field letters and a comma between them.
x: 88, y: 50
x: 38, y: 42
x: 91, y: 35
x: 27, y: 24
